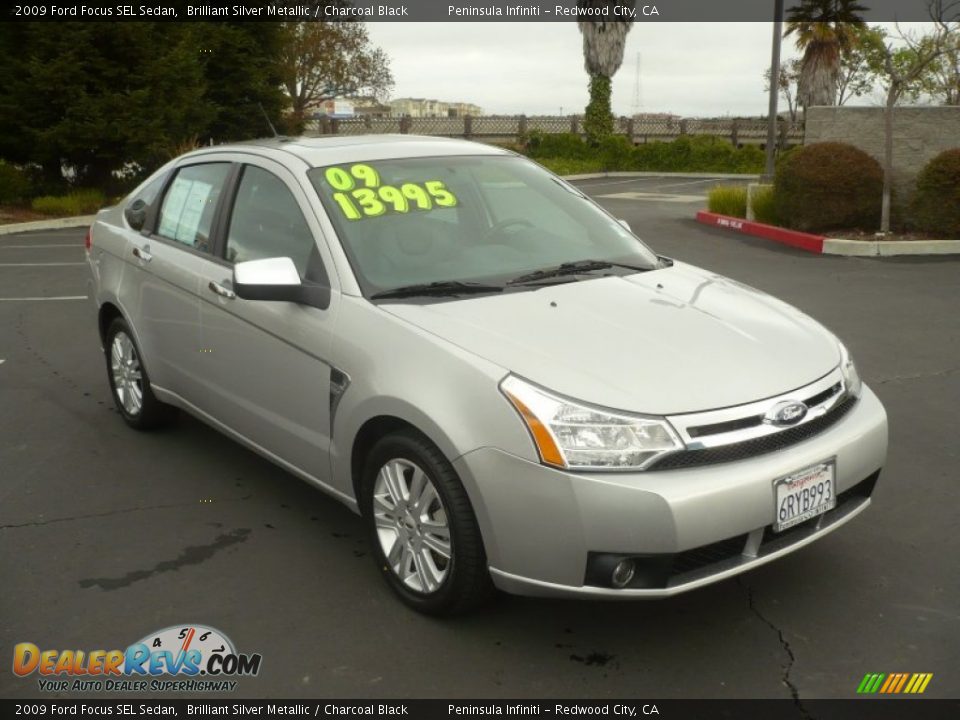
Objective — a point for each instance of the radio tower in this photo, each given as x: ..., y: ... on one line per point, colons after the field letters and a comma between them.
x: 635, y: 107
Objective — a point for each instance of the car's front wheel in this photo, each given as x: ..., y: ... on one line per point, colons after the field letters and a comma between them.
x: 424, y: 533
x: 129, y: 383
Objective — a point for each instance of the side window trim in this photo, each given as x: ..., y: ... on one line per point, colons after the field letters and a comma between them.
x: 225, y: 217
x: 221, y: 218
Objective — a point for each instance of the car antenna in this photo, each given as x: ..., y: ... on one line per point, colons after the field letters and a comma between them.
x: 267, y: 118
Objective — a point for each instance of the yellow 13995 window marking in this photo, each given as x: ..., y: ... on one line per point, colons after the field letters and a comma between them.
x: 373, y: 198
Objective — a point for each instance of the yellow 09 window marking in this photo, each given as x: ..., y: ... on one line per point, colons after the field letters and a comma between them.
x: 359, y: 193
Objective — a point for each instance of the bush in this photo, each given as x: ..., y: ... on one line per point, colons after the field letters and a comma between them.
x: 935, y: 207
x: 615, y: 152
x: 15, y: 183
x: 557, y: 145
x: 618, y: 153
x: 564, y: 166
x: 763, y: 205
x: 728, y: 200
x: 828, y: 186
x: 79, y: 202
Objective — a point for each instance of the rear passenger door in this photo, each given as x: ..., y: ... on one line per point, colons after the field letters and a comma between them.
x: 266, y: 367
x: 167, y: 258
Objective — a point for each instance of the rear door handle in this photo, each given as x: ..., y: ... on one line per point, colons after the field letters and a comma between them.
x: 142, y: 253
x: 221, y: 290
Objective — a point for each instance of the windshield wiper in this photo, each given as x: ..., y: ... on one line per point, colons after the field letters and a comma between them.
x: 437, y: 289
x: 572, y: 268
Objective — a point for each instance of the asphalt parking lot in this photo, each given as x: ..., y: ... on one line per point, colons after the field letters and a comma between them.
x: 107, y: 534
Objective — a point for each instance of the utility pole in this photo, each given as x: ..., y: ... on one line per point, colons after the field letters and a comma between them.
x: 774, y: 89
x: 635, y: 108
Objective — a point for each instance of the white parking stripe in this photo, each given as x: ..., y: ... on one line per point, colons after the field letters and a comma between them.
x: 31, y: 247
x: 38, y: 264
x: 62, y: 297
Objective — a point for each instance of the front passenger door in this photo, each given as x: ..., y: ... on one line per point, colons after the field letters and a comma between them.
x: 268, y: 378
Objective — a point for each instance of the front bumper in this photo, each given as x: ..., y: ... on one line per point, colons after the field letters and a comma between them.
x: 540, y: 524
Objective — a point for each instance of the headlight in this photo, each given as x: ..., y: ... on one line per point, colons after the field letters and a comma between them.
x: 851, y: 377
x: 571, y: 435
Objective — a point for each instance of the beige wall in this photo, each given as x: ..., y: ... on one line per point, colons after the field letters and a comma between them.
x: 919, y: 134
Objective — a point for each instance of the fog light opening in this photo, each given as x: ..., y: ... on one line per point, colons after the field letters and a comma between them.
x: 623, y: 573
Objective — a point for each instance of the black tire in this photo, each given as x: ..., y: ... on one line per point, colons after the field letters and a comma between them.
x: 151, y: 413
x: 467, y: 582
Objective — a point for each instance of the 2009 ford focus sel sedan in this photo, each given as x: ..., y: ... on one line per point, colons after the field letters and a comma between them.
x: 501, y: 378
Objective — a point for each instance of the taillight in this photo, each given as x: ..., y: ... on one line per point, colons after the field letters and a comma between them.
x: 88, y: 240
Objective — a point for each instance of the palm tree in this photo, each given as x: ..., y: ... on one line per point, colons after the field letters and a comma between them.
x: 603, y: 44
x: 824, y: 29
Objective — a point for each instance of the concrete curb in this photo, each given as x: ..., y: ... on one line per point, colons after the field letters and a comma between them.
x: 70, y: 222
x: 890, y: 248
x: 822, y: 245
x: 645, y: 174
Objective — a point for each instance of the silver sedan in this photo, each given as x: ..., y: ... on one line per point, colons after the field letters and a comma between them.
x: 509, y: 386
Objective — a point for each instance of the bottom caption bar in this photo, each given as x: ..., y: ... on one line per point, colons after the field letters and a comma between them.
x: 865, y: 708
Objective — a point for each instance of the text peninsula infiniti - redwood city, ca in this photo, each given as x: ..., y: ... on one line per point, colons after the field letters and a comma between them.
x: 501, y: 378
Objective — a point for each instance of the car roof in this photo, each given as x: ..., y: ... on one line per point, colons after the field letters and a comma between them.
x: 332, y: 149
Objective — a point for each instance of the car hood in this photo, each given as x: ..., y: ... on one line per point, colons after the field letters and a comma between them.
x: 675, y: 340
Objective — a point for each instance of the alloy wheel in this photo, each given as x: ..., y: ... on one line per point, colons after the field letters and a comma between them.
x: 127, y: 374
x: 412, y: 525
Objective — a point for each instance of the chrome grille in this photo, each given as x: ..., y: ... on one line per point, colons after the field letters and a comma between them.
x: 755, y: 446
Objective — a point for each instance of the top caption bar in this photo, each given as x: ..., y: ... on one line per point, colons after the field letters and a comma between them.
x: 711, y: 11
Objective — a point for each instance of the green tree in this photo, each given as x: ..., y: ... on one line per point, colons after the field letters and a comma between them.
x: 789, y: 77
x: 824, y: 30
x: 902, y: 68
x: 242, y: 68
x: 103, y: 98
x: 941, y: 81
x: 857, y: 74
x: 98, y: 97
x: 603, y: 45
x: 324, y: 60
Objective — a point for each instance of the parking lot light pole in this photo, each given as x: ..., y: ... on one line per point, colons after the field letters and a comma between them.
x: 774, y: 90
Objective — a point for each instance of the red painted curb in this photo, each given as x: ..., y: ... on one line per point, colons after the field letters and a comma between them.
x: 802, y: 240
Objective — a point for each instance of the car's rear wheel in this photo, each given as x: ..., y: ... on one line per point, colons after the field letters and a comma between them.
x: 424, y: 533
x: 129, y: 383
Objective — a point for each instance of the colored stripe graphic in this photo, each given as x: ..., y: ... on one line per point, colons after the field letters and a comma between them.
x: 894, y: 683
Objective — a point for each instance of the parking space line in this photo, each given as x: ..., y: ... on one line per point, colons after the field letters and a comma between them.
x: 31, y: 247
x: 32, y: 299
x: 692, y: 182
x: 38, y: 264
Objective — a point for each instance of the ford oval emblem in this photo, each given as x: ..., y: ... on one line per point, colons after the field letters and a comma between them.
x: 785, y: 413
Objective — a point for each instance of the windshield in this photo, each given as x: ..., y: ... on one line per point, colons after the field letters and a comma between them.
x: 480, y: 219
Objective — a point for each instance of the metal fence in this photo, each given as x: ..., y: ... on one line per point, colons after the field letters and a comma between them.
x: 506, y: 129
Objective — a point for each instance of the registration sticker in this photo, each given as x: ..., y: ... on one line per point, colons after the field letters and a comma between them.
x: 804, y: 494
x: 360, y: 193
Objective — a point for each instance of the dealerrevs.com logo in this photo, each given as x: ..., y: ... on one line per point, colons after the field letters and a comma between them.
x: 201, y: 658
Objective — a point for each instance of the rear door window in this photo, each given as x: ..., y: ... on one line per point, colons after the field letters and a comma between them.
x: 187, y: 213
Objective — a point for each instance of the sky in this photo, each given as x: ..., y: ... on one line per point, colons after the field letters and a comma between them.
x: 690, y: 69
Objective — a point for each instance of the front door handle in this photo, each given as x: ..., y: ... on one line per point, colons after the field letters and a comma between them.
x: 142, y: 253
x: 221, y: 290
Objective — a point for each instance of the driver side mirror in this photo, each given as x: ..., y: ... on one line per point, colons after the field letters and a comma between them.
x: 136, y: 214
x: 277, y: 279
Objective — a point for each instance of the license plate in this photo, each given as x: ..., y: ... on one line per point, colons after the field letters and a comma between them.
x: 804, y: 494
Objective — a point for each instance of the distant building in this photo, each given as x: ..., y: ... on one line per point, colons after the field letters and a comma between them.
x: 426, y: 107
x: 348, y: 107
